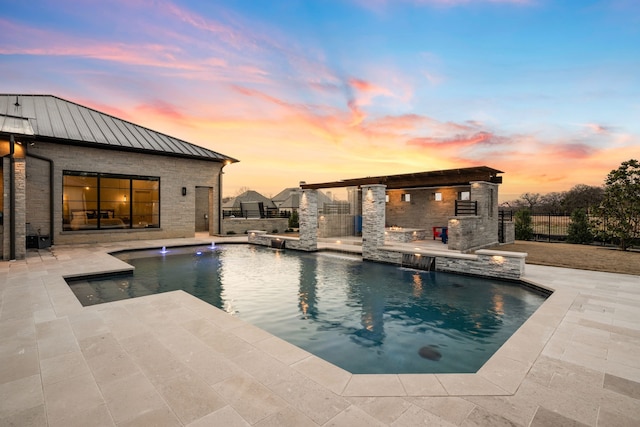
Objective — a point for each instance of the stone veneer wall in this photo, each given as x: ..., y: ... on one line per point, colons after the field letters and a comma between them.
x: 20, y: 185
x: 373, y: 219
x: 406, y: 235
x: 468, y: 233
x: 242, y: 226
x: 308, y: 220
x: 422, y: 211
x: 487, y: 263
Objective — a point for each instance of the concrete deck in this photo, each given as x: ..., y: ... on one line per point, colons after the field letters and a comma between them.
x: 171, y: 359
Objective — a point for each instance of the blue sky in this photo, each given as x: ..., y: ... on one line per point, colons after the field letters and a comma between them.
x: 546, y: 91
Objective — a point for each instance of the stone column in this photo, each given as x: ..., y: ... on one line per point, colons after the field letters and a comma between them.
x: 486, y: 193
x: 373, y: 219
x: 308, y: 218
x: 20, y: 187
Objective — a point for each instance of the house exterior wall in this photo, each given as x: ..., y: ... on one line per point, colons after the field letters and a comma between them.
x: 177, y: 212
x: 38, y: 196
x: 4, y: 228
x: 422, y: 211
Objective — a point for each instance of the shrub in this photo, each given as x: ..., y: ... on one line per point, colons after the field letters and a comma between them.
x: 579, y: 229
x: 275, y: 230
x: 523, y: 225
x: 294, y: 220
x: 231, y: 232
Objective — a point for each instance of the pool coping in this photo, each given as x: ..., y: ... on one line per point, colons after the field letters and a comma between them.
x: 172, y: 359
x: 501, y: 375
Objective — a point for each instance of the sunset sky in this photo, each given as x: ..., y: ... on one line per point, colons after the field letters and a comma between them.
x: 547, y: 91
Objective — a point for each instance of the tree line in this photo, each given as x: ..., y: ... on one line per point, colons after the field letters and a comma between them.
x: 610, y: 212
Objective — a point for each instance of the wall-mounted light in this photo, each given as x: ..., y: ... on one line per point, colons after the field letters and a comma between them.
x: 184, y: 191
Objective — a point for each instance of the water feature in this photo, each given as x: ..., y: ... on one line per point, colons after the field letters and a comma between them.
x: 362, y: 316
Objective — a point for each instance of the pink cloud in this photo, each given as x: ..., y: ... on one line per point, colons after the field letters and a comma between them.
x: 570, y: 151
x: 596, y: 128
x: 162, y: 109
x: 451, y: 143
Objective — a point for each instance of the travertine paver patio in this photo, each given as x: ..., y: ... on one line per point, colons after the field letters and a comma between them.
x: 171, y: 359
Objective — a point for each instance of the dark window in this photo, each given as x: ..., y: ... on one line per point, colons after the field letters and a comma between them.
x: 95, y: 201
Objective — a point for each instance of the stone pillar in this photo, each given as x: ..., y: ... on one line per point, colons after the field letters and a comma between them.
x: 308, y: 218
x: 373, y: 219
x: 20, y: 187
x: 486, y: 194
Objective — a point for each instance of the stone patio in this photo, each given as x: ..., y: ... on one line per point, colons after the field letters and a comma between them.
x: 171, y: 359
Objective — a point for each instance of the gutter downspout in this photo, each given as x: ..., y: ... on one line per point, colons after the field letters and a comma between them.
x: 51, y: 187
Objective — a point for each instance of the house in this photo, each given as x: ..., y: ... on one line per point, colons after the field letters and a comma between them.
x: 71, y: 174
x: 249, y: 204
x: 288, y: 200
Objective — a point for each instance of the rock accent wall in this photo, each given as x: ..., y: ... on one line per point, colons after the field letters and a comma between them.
x: 242, y: 225
x: 373, y: 219
x: 20, y: 185
x: 308, y: 219
x: 486, y: 263
x: 468, y: 233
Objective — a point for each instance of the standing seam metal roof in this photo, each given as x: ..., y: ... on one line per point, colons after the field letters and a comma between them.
x: 63, y: 120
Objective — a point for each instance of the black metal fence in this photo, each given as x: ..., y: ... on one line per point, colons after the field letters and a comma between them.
x: 255, y: 213
x: 549, y: 227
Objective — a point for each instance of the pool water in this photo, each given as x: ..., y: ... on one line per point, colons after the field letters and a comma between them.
x: 363, y: 316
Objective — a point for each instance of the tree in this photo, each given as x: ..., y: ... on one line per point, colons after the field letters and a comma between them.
x: 523, y: 225
x: 552, y: 202
x: 294, y: 221
x: 579, y: 230
x: 532, y: 199
x: 582, y: 196
x: 620, y: 207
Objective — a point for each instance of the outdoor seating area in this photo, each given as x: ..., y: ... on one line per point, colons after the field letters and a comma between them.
x: 172, y: 359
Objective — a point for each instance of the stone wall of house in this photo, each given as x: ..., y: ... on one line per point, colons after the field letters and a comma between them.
x: 177, y: 212
x: 4, y: 194
x: 422, y: 210
x: 38, y: 197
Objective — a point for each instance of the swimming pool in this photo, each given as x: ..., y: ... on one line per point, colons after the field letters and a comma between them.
x: 365, y: 317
